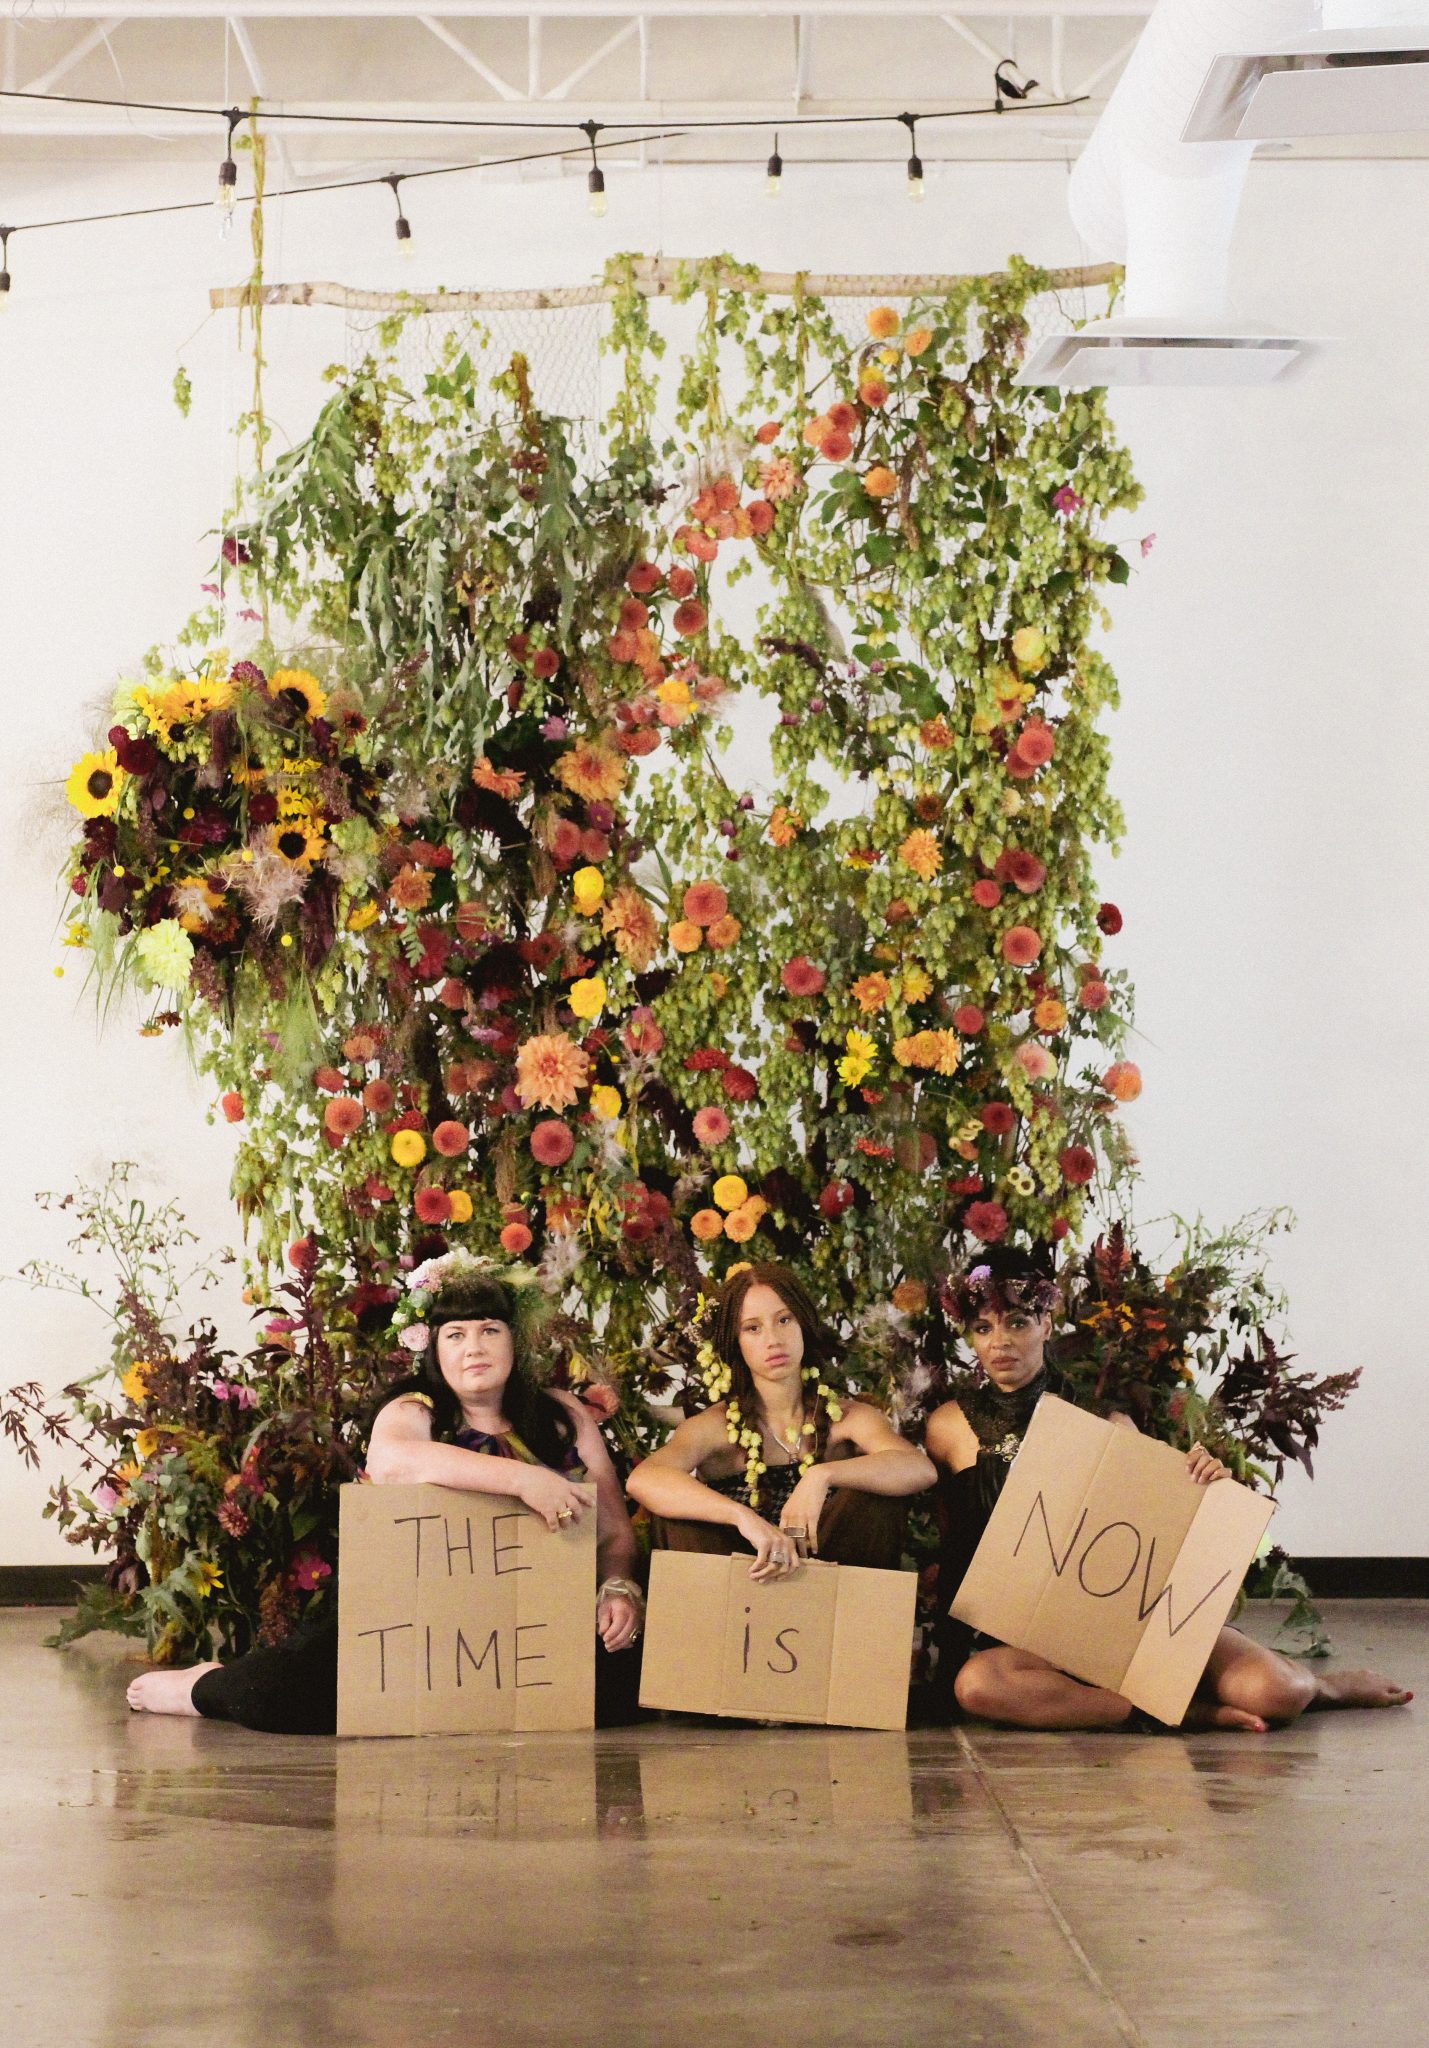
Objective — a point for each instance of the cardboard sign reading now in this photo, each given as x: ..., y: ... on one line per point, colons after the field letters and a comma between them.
x: 831, y: 1644
x: 459, y: 1612
x: 1104, y: 1557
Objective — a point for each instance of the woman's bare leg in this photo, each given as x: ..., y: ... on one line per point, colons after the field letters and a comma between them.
x: 166, y: 1692
x: 1247, y: 1686
x: 1021, y: 1690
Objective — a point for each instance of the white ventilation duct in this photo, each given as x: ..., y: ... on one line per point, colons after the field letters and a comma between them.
x: 1166, y: 206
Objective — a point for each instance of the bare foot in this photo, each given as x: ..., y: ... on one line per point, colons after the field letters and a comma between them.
x: 1358, y: 1689
x: 1208, y: 1714
x: 166, y: 1692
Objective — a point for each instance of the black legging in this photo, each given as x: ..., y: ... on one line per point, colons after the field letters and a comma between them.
x: 291, y: 1689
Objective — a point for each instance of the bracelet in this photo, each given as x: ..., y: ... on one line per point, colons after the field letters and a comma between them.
x: 625, y: 1589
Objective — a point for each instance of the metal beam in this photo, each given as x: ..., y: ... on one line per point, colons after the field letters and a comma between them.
x: 881, y: 11
x: 1113, y: 63
x: 469, y: 57
x: 76, y: 54
x: 274, y: 133
x: 533, y: 58
x: 597, y: 56
x: 973, y: 40
x: 803, y: 58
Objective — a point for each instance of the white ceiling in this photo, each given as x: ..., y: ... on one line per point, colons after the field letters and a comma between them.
x: 649, y: 65
x: 650, y: 62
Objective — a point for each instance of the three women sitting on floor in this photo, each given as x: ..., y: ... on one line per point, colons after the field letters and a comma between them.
x: 781, y: 1467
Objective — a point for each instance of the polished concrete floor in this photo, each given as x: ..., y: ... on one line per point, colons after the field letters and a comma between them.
x: 691, y: 1886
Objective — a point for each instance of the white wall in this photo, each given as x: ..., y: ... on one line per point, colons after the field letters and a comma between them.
x: 1269, y: 754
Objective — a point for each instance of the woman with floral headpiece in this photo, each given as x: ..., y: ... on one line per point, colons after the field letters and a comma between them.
x: 1004, y: 1303
x: 473, y: 1417
x: 779, y: 1463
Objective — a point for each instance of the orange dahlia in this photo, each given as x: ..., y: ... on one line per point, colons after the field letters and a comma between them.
x: 551, y: 1070
x: 921, y: 852
x: 629, y: 919
x: 592, y: 770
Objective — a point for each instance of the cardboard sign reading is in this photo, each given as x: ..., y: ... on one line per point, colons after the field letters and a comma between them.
x: 831, y: 1644
x: 459, y: 1612
x: 1104, y: 1557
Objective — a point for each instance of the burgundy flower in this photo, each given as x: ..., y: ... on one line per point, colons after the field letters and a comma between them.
x: 987, y: 1220
x: 997, y: 1118
x: 1109, y: 920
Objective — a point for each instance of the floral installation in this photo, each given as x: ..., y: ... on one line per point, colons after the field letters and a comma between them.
x: 481, y: 950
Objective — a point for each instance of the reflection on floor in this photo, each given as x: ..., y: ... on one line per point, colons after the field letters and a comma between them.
x: 178, y: 1882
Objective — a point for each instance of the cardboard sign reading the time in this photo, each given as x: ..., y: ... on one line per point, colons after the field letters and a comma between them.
x: 459, y: 1612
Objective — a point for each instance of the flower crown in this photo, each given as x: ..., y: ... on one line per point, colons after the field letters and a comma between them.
x: 461, y: 1270
x: 981, y: 1288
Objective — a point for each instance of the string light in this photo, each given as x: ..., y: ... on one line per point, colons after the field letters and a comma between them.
x: 915, y: 162
x: 595, y: 183
x: 228, y: 174
x: 405, y: 247
x: 773, y: 172
x: 1016, y: 88
x: 4, y: 269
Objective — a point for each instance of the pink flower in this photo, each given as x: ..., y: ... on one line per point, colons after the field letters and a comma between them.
x: 986, y: 894
x: 1035, y: 1061
x: 1077, y: 1164
x: 1025, y: 872
x: 712, y: 1126
x: 600, y: 1399
x: 1020, y: 945
x: 308, y: 1570
x: 968, y: 1020
x: 801, y: 977
x: 554, y: 728
x: 987, y: 1220
x: 1148, y: 542
x: 552, y: 1142
x: 105, y: 1497
x: 1067, y: 501
x: 415, y: 1337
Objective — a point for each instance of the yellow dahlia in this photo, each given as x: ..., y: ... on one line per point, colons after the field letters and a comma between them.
x: 587, y: 997
x: 729, y: 1191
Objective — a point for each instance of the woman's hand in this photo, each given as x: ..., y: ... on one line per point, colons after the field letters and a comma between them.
x: 617, y: 1621
x: 560, y: 1502
x: 805, y: 1504
x: 775, y: 1556
x: 1203, y: 1467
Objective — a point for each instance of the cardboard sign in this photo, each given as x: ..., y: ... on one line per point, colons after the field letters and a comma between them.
x: 831, y: 1644
x: 1104, y: 1557
x: 459, y: 1612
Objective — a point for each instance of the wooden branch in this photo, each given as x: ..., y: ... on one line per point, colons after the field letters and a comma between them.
x: 654, y: 278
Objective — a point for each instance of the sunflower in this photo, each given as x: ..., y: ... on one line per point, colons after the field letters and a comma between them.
x: 294, y: 841
x: 95, y: 783
x: 298, y: 691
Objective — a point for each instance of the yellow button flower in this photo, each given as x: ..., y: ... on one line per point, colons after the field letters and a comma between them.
x: 587, y: 996
x: 729, y: 1191
x: 461, y: 1205
x: 409, y: 1148
x: 588, y: 888
x: 1029, y: 648
x: 605, y: 1102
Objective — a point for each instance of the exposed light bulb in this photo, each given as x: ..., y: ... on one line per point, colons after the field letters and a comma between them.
x: 595, y: 191
x: 915, y: 178
x: 4, y: 291
x: 406, y: 248
x: 773, y: 173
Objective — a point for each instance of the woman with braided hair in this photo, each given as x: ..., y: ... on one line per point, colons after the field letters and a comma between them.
x: 475, y: 1418
x: 780, y: 1464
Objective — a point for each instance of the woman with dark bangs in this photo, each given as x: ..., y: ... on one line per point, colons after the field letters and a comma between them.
x: 781, y: 1464
x: 475, y: 1418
